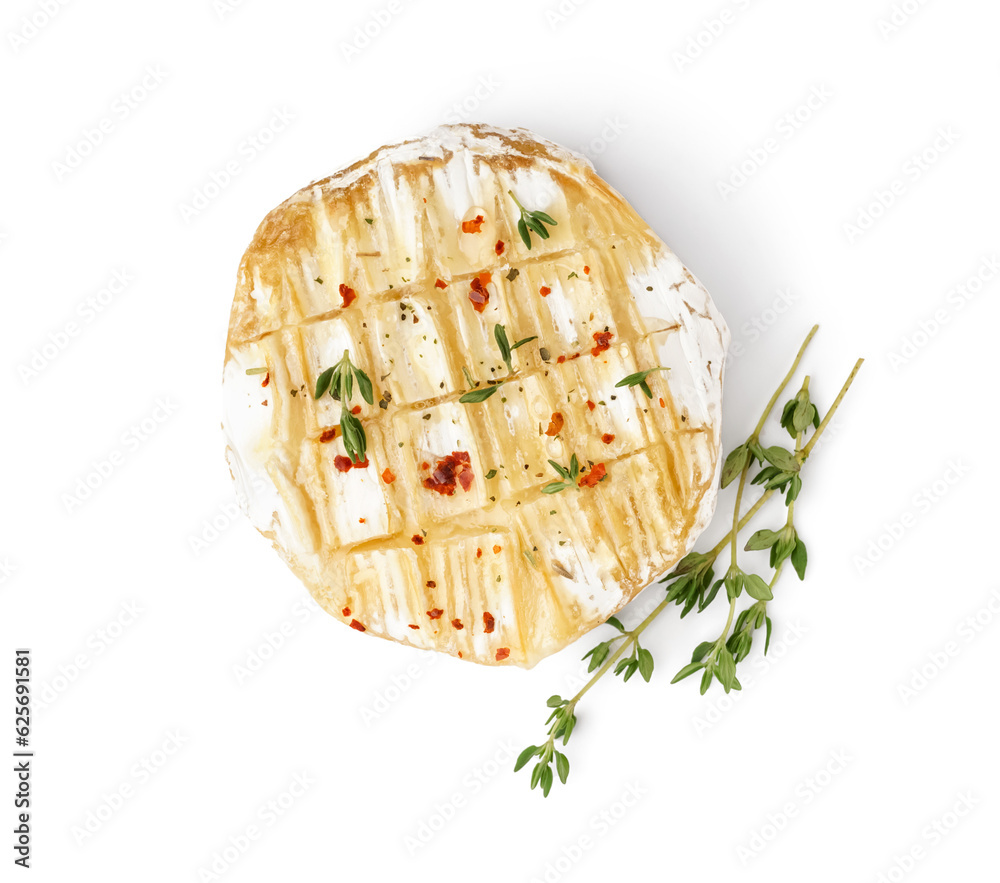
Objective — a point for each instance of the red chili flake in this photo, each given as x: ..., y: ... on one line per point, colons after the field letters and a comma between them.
x: 603, y: 340
x: 388, y: 476
x: 436, y: 613
x: 594, y: 476
x: 330, y: 434
x: 555, y: 425
x: 499, y: 247
x: 479, y: 553
x: 456, y: 467
x: 264, y: 402
x: 417, y: 539
x: 560, y: 360
x: 479, y: 296
x: 574, y: 356
x: 431, y: 584
x: 425, y: 465
x: 345, y: 464
x: 496, y: 550
x: 488, y: 623
x: 502, y: 654
x: 440, y: 283
x: 663, y: 404
x: 425, y: 199
x: 412, y: 626
x: 473, y: 226
x: 356, y: 409
x: 459, y: 654
x: 361, y: 521
x: 347, y: 294
x: 357, y: 625
x: 545, y: 291
x: 346, y: 611
x: 607, y: 438
x: 266, y: 380
x: 591, y: 405
x: 586, y: 270
x: 457, y: 624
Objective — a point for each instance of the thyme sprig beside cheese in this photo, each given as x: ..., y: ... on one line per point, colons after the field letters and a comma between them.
x: 339, y: 382
x: 692, y: 585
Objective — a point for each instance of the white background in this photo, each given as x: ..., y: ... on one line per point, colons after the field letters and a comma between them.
x: 665, y: 108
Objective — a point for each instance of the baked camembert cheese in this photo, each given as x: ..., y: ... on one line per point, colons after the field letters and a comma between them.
x: 517, y: 476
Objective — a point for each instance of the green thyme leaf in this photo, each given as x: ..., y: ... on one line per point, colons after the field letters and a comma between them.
x: 757, y: 588
x: 562, y: 766
x: 762, y: 539
x: 536, y: 775
x: 701, y: 651
x: 364, y: 386
x: 546, y: 780
x: 500, y: 335
x: 645, y: 664
x: 799, y: 558
x: 687, y: 671
x: 706, y: 680
x: 479, y: 395
x: 323, y: 382
x: 736, y: 462
x: 639, y: 379
x: 726, y: 669
x: 525, y: 756
x: 522, y: 228
x: 784, y: 459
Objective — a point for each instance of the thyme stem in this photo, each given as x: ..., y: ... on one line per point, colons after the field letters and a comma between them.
x: 632, y: 636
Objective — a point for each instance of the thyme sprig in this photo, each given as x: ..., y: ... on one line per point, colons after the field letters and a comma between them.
x: 481, y: 394
x: 531, y: 222
x: 639, y: 379
x: 692, y: 585
x: 506, y: 348
x: 569, y: 477
x: 338, y: 381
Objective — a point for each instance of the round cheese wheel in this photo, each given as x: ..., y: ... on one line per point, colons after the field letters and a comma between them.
x: 502, y: 529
